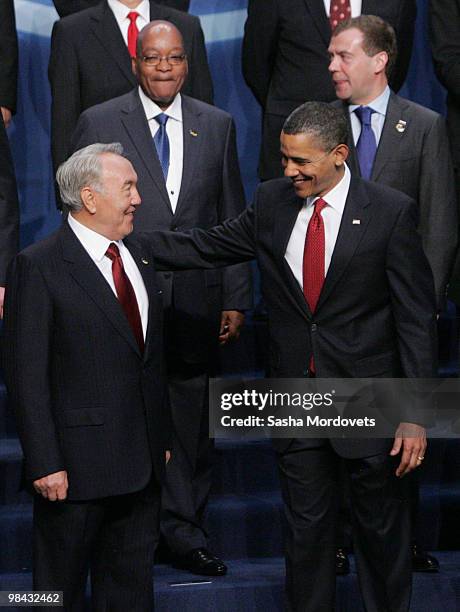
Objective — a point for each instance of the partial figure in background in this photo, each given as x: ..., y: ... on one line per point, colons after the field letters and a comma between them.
x: 67, y: 7
x: 285, y: 57
x: 8, y: 60
x: 82, y: 75
x: 184, y: 152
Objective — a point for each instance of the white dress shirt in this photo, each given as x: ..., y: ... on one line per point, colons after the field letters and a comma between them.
x: 332, y: 217
x: 96, y: 246
x: 355, y: 6
x: 379, y: 105
x: 174, y: 129
x: 121, y: 11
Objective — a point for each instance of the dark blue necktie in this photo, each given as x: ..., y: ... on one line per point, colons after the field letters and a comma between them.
x: 161, y: 141
x: 367, y: 145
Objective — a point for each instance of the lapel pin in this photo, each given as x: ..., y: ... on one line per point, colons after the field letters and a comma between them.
x: 193, y: 133
x: 356, y: 221
x: 145, y: 261
x: 401, y: 126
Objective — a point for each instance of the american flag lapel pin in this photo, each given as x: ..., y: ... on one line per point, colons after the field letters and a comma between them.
x: 356, y: 221
x: 145, y: 261
x: 401, y: 126
x: 193, y: 133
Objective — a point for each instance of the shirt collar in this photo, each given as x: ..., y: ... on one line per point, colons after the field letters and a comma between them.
x: 94, y: 244
x: 379, y: 104
x: 335, y: 198
x: 152, y: 110
x: 121, y: 11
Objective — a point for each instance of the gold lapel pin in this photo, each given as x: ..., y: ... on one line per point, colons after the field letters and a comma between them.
x: 145, y: 261
x: 401, y: 126
x: 193, y: 133
x: 356, y: 221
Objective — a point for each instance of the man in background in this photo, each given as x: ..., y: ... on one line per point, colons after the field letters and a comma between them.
x: 67, y: 7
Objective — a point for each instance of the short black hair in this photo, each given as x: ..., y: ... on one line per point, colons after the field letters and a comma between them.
x: 321, y: 120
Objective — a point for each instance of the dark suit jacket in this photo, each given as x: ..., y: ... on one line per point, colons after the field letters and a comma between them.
x: 376, y: 315
x: 211, y: 191
x: 8, y: 55
x: 82, y: 75
x: 417, y: 162
x: 9, y: 206
x: 67, y: 7
x: 86, y: 400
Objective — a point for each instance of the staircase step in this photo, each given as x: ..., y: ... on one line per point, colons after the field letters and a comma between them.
x: 10, y: 472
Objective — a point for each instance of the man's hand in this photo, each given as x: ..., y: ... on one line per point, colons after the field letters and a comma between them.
x: 6, y: 114
x: 411, y: 439
x: 167, y: 456
x: 2, y: 299
x: 231, y: 322
x: 53, y: 487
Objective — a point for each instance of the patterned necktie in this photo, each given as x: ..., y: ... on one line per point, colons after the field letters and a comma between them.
x: 366, y: 146
x: 313, y: 261
x: 125, y: 293
x: 161, y: 141
x: 339, y: 10
x: 132, y: 33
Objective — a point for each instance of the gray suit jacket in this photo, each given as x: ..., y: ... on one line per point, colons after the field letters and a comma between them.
x: 415, y: 159
x: 211, y: 191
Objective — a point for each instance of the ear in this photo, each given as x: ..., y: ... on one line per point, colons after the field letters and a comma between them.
x: 340, y: 154
x: 88, y: 199
x: 134, y: 65
x: 380, y: 62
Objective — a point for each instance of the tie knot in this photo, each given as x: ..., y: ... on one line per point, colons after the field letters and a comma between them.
x: 113, y: 251
x: 319, y: 205
x: 132, y: 16
x: 364, y: 114
x: 161, y: 119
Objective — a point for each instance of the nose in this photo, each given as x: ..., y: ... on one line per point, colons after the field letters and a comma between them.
x: 332, y: 64
x: 136, y: 198
x: 290, y: 169
x: 164, y: 65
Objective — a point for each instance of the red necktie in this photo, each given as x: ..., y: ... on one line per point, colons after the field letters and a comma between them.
x: 125, y: 293
x: 340, y: 10
x: 132, y: 33
x: 313, y: 260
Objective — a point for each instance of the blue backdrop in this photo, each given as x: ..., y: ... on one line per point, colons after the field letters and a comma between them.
x: 223, y: 22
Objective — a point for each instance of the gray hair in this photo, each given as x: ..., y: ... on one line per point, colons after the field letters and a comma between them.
x: 83, y: 169
x: 320, y: 120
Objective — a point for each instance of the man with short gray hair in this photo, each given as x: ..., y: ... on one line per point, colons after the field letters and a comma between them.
x: 84, y: 370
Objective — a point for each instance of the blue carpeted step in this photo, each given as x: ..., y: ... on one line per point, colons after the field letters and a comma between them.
x: 257, y: 586
x: 15, y: 538
x: 7, y: 427
x: 10, y: 472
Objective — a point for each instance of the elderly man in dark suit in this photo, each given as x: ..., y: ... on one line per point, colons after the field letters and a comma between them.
x: 349, y: 293
x: 84, y: 370
x: 285, y: 56
x: 67, y: 7
x: 184, y: 152
x: 82, y: 75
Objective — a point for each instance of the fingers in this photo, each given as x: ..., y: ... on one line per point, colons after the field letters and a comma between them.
x: 53, y: 487
x: 396, y: 446
x: 412, y: 456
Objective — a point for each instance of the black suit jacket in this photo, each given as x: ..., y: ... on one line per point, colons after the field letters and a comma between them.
x: 9, y: 206
x: 82, y: 75
x: 67, y: 7
x: 86, y: 400
x: 211, y: 191
x: 376, y: 315
x: 416, y: 161
x: 8, y: 55
x: 285, y: 57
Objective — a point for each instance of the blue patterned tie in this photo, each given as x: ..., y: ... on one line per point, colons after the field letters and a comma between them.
x: 161, y: 141
x: 367, y: 145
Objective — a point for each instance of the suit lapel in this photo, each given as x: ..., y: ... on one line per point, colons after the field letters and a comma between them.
x: 105, y: 28
x: 194, y: 133
x: 318, y: 14
x: 391, y: 138
x: 87, y: 275
x: 136, y: 124
x: 282, y: 230
x: 349, y: 236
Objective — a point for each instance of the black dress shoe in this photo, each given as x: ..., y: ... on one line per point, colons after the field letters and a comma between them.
x: 201, y: 561
x: 342, y: 564
x: 422, y: 561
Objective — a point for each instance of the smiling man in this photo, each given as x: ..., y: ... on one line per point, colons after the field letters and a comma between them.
x: 85, y: 374
x: 349, y: 293
x: 184, y: 153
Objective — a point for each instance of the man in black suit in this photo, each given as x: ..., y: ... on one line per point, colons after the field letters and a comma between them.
x: 9, y: 211
x: 82, y: 75
x: 85, y: 374
x: 200, y: 186
x: 8, y: 60
x: 285, y: 58
x: 374, y: 315
x: 67, y: 7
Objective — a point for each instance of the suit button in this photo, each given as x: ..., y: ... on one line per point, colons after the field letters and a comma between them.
x: 175, y: 229
x: 160, y: 292
x: 313, y: 327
